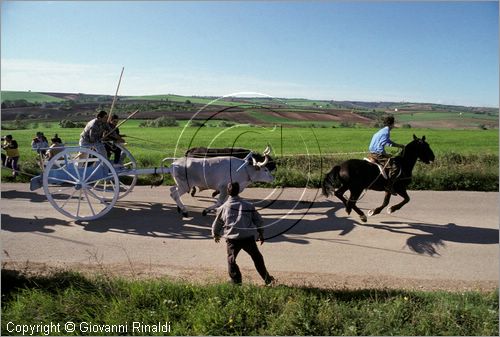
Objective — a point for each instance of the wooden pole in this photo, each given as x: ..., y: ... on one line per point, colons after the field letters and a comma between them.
x: 114, y: 99
x: 123, y: 121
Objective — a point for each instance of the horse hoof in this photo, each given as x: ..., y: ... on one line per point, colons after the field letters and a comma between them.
x: 178, y: 209
x: 184, y: 214
x: 371, y: 212
x: 389, y: 210
x: 363, y: 218
x: 204, y: 213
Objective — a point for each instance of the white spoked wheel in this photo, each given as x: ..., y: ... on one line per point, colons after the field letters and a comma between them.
x: 81, y: 183
x: 127, y: 163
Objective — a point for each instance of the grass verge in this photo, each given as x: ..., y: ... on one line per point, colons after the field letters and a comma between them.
x: 450, y: 172
x: 223, y: 309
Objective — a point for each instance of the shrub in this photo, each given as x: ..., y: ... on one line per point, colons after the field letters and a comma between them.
x: 70, y: 124
x: 160, y: 122
x: 194, y: 123
x: 225, y: 124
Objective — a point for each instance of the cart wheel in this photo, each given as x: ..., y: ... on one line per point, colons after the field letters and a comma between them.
x: 128, y: 162
x: 80, y: 183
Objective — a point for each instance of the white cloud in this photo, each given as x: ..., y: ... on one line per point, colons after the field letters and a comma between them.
x: 49, y: 76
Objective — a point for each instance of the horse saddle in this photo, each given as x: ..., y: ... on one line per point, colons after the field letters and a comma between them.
x: 380, y: 166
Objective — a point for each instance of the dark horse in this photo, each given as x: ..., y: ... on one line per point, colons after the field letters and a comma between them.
x: 357, y: 175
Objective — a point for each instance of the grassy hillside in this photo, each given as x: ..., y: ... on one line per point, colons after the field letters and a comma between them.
x: 254, y: 110
x: 31, y: 97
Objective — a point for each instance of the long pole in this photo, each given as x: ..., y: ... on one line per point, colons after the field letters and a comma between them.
x: 123, y: 121
x: 114, y: 99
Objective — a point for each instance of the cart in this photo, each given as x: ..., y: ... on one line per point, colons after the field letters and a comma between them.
x: 82, y: 184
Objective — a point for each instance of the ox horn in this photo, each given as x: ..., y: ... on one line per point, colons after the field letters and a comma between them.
x: 266, y: 160
x: 267, y: 151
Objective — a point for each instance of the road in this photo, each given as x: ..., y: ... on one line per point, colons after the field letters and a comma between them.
x: 440, y: 240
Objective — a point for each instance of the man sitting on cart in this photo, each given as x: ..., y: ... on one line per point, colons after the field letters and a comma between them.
x: 93, y: 133
x: 113, y: 137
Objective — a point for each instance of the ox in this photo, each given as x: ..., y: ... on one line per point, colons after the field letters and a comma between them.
x: 238, y: 152
x: 216, y: 173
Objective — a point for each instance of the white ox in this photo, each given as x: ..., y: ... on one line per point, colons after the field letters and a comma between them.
x: 215, y: 173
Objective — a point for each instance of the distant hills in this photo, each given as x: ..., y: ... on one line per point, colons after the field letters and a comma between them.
x: 252, y: 110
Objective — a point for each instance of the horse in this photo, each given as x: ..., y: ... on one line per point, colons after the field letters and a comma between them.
x: 357, y: 175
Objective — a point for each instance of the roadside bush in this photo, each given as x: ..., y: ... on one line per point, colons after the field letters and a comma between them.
x: 225, y: 124
x: 18, y: 124
x: 159, y: 122
x: 195, y: 123
x: 65, y: 123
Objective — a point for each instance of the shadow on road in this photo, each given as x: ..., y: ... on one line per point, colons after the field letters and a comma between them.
x: 286, y: 221
x: 434, y: 236
x: 31, y: 196
x: 151, y: 219
x: 41, y: 225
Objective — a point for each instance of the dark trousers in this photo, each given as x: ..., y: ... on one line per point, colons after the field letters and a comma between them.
x: 249, y: 246
x: 111, y: 149
x: 11, y: 162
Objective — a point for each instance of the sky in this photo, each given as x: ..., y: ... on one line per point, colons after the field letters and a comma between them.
x: 436, y: 52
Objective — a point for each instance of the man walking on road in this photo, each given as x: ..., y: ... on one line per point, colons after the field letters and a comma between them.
x: 239, y: 219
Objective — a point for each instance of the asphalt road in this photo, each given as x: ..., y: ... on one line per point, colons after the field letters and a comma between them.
x: 440, y: 240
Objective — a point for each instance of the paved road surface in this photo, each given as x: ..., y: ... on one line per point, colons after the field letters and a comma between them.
x: 440, y: 240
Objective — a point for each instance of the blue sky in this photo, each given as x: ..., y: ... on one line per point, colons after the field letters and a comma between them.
x: 439, y: 52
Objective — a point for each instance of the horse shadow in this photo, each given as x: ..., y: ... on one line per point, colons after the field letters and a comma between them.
x: 294, y: 229
x: 435, y: 236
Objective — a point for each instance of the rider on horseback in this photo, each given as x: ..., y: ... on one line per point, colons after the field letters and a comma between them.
x: 378, y: 154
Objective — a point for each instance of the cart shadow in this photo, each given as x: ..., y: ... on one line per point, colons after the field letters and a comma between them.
x: 162, y: 220
x: 40, y: 225
x: 31, y: 196
x: 433, y: 236
x: 150, y: 219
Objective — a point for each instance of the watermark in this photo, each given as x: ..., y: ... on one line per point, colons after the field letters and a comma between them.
x: 84, y: 328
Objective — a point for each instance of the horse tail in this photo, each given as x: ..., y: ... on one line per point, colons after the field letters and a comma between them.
x: 328, y: 183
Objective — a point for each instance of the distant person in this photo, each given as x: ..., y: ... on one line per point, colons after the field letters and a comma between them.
x: 379, y: 140
x: 11, y: 154
x: 113, y: 136
x: 56, y: 146
x: 239, y: 220
x: 92, y: 134
x: 40, y: 143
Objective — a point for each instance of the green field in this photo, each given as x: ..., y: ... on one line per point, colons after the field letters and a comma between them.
x: 465, y: 159
x: 182, y: 99
x: 31, y: 97
x: 285, y: 141
x: 435, y: 115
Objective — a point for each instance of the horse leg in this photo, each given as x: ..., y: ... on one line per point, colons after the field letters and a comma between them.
x: 381, y: 207
x: 406, y: 199
x: 176, y: 195
x: 351, y: 203
x: 339, y: 193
